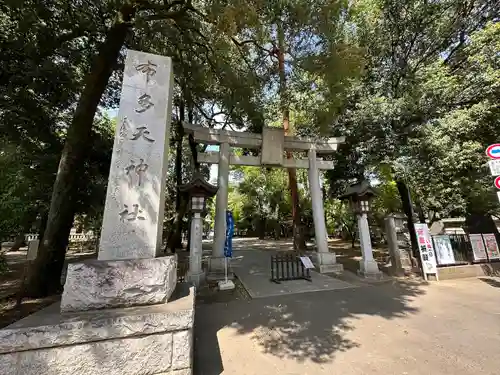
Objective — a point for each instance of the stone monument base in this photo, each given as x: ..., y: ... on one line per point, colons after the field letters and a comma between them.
x: 196, y: 278
x: 371, y: 275
x: 216, y: 269
x: 155, y: 339
x: 369, y: 269
x: 327, y: 263
x: 99, y: 284
x: 217, y: 264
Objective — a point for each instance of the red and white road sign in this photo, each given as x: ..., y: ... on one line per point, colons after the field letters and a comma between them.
x: 497, y: 182
x: 493, y: 151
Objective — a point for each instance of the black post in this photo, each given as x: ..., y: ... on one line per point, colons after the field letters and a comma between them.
x: 404, y: 193
x: 272, y: 269
x: 288, y: 267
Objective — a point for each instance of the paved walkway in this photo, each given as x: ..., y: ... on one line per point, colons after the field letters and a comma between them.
x: 253, y: 268
x: 400, y: 328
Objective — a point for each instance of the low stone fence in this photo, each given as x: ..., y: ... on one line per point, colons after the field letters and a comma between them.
x: 78, y: 240
x: 73, y: 237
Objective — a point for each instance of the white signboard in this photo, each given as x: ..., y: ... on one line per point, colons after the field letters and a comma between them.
x: 478, y: 249
x: 444, y: 251
x: 306, y: 261
x: 498, y: 195
x: 426, y: 249
x: 495, y: 167
x: 491, y: 246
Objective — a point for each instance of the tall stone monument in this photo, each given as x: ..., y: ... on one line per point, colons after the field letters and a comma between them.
x: 114, y: 318
x: 133, y: 215
x: 127, y: 272
x: 398, y: 241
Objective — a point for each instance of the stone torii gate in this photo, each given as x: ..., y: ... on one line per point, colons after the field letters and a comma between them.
x: 273, y: 143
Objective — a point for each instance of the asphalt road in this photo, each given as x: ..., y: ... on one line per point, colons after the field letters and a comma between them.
x: 403, y: 328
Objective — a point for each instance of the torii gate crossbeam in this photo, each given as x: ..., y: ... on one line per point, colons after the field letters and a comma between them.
x: 273, y: 144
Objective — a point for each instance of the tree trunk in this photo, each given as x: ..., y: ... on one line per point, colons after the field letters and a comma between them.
x: 408, y: 210
x: 178, y: 154
x: 44, y: 278
x: 262, y: 228
x: 421, y: 215
x: 299, y: 242
x: 180, y: 204
x: 18, y: 242
x: 188, y: 246
x: 420, y: 210
x: 43, y: 225
x: 351, y: 231
x: 480, y: 223
x: 27, y: 221
x: 176, y: 238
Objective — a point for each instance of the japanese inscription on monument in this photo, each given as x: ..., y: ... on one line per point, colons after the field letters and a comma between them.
x: 142, y: 132
x: 149, y: 69
x: 144, y: 102
x: 139, y: 169
x: 133, y: 215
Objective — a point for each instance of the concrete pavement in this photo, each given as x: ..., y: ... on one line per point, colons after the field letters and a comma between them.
x: 409, y: 328
x: 253, y: 268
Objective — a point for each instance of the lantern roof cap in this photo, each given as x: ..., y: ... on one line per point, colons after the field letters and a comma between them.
x: 198, y: 186
x: 358, y: 190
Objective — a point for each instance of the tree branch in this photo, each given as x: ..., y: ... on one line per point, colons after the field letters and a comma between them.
x: 164, y: 16
x: 166, y: 6
x: 210, y: 118
x: 59, y: 41
x: 250, y: 41
x: 163, y: 11
x: 181, y: 29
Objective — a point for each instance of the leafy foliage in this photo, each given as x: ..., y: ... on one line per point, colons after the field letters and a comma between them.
x: 425, y: 105
x: 413, y: 86
x: 261, y: 201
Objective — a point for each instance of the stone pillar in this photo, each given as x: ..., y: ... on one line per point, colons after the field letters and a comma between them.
x: 392, y: 242
x: 398, y: 239
x: 217, y: 258
x: 195, y: 273
x: 368, y: 265
x: 135, y: 201
x: 127, y: 272
x: 325, y: 261
x: 317, y: 205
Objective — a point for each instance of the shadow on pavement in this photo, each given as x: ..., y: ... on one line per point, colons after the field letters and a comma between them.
x: 492, y: 282
x: 309, y: 326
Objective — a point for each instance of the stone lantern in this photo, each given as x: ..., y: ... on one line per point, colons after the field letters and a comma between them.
x: 197, y: 191
x: 359, y: 196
